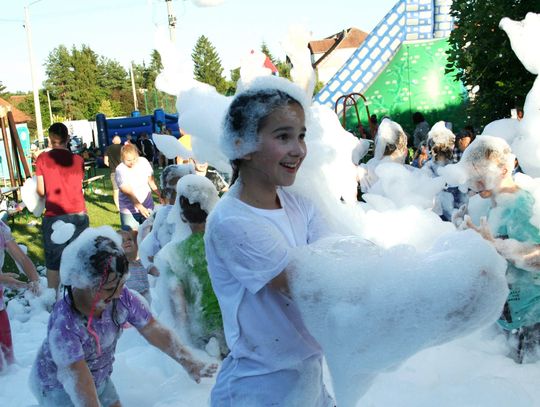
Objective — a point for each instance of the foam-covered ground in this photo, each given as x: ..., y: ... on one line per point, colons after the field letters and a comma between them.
x: 472, y: 371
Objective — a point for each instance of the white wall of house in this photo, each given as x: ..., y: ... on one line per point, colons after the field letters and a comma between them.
x: 327, y: 68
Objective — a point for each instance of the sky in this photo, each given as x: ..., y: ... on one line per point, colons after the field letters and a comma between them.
x: 124, y: 29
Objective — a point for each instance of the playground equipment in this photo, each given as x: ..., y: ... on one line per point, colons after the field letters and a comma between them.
x: 15, y: 156
x: 400, y: 67
x: 351, y: 100
x: 135, y: 125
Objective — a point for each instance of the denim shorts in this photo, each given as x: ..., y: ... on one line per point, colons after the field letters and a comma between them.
x: 131, y: 221
x: 106, y: 392
x: 53, y: 251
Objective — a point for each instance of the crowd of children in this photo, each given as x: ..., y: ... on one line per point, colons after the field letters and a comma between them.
x: 225, y: 259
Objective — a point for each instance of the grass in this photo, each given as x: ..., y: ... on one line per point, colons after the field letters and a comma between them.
x: 101, y: 211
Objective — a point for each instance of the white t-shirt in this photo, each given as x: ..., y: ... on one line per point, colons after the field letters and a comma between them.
x: 137, y: 178
x: 246, y: 248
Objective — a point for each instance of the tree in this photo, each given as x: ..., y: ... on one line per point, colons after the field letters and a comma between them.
x: 482, y: 54
x: 2, y: 88
x: 79, y: 80
x: 207, y: 65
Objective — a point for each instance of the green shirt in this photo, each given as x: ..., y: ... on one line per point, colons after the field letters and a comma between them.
x: 190, y: 268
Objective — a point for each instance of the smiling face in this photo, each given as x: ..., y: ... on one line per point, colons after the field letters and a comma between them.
x: 282, y: 147
x: 129, y: 245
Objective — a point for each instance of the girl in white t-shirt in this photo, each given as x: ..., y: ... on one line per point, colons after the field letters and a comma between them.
x: 274, y: 361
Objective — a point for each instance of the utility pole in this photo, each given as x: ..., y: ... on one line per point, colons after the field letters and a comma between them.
x: 172, y: 20
x: 135, y: 103
x: 37, y: 107
x: 50, y: 108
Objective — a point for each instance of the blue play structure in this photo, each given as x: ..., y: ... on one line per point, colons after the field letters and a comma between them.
x: 408, y: 21
x: 135, y: 125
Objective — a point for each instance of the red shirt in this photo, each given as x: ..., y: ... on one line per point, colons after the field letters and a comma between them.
x: 63, y: 174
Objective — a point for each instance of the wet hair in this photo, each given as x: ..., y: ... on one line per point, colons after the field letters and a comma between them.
x: 192, y: 212
x: 418, y: 117
x: 107, y: 258
x: 59, y: 131
x: 401, y: 145
x: 442, y: 151
x: 244, y: 120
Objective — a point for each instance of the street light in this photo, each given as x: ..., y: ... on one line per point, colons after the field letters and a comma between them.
x: 37, y: 107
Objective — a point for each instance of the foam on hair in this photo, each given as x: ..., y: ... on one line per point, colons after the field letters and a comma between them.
x: 262, y: 96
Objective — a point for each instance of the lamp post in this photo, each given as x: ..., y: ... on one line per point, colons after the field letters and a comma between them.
x: 37, y: 107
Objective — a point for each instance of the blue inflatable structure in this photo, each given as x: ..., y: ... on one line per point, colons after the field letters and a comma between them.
x: 135, y: 125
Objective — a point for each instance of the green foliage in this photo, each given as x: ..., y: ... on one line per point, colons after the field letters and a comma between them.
x: 482, y: 56
x: 266, y: 51
x: 2, y: 88
x: 207, y: 65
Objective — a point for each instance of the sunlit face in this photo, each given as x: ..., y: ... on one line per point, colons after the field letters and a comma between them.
x: 128, y: 243
x: 282, y: 147
x: 130, y: 160
x: 463, y: 143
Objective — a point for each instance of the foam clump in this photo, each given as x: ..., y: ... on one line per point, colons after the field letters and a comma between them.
x: 62, y: 231
x: 30, y: 197
x: 378, y: 307
x: 198, y: 189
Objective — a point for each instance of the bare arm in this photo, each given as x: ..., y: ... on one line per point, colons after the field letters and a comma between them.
x: 79, y: 384
x: 163, y: 339
x: 28, y: 267
x: 106, y: 160
x: 154, y: 188
x: 40, y: 188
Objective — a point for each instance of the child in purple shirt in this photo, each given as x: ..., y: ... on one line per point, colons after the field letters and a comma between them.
x: 74, y: 364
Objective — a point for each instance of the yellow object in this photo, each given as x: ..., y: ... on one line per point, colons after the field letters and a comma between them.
x: 186, y: 141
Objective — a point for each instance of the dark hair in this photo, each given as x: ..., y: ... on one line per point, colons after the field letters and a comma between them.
x: 440, y: 151
x: 59, y: 131
x: 192, y: 212
x: 418, y: 117
x: 107, y: 258
x: 235, y: 164
x: 467, y: 131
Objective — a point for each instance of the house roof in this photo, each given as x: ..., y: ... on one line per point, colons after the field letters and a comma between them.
x: 352, y: 39
x: 18, y: 115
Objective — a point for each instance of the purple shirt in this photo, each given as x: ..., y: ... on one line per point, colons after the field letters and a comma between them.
x: 137, y: 178
x: 68, y: 340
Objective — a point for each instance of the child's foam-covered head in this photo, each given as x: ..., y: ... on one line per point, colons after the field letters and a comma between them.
x: 197, y: 197
x: 91, y: 256
x: 249, y: 107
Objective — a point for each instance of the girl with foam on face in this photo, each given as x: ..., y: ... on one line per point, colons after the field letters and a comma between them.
x: 249, y: 238
x: 74, y: 364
